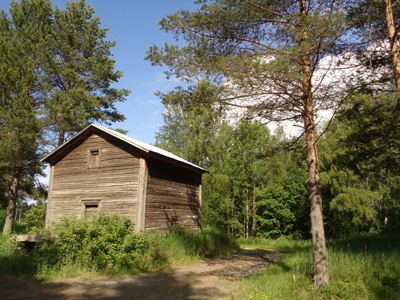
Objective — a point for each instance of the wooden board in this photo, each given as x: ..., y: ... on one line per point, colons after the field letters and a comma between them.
x: 172, y: 197
x: 114, y: 182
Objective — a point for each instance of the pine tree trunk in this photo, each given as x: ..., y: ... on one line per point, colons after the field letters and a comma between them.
x: 61, y: 137
x: 253, y: 231
x: 247, y: 214
x: 320, y: 265
x: 394, y: 46
x: 233, y: 212
x: 12, y: 201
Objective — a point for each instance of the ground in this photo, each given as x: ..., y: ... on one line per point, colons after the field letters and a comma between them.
x: 216, y: 278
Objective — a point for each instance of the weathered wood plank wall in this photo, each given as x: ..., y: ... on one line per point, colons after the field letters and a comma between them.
x: 114, y: 182
x: 172, y: 197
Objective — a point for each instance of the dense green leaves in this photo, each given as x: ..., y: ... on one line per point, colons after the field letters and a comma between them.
x: 21, y: 42
x: 55, y: 77
x: 81, y: 71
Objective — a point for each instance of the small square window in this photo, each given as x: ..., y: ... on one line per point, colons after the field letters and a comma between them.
x: 90, y: 207
x: 94, y: 159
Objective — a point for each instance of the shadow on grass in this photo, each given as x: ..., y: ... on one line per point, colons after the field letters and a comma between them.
x: 375, y: 243
x: 388, y: 285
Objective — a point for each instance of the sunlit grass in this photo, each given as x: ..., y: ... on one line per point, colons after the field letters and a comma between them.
x: 359, y: 268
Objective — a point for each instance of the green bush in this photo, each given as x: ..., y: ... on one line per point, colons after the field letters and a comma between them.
x: 99, y: 243
x: 108, y: 244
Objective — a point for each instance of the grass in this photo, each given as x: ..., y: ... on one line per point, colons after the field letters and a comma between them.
x: 365, y: 267
x: 360, y: 268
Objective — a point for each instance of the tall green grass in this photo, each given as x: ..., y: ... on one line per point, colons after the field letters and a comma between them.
x: 108, y: 245
x: 360, y: 268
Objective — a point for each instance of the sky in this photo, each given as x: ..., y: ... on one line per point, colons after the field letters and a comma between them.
x: 133, y: 24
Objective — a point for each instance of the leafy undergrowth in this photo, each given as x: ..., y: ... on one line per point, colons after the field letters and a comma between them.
x: 108, y: 245
x: 360, y: 268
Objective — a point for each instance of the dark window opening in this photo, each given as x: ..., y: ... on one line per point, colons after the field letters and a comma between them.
x: 91, y: 210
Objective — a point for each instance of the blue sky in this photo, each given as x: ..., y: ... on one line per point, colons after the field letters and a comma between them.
x: 133, y: 24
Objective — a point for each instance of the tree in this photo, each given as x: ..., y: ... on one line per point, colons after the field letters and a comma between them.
x: 376, y: 26
x: 372, y: 116
x: 191, y: 122
x: 360, y: 165
x: 269, y: 52
x: 195, y: 130
x: 20, y: 44
x: 80, y: 71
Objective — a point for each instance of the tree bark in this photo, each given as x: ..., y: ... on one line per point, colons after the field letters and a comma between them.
x: 320, y: 265
x: 12, y: 201
x: 61, y: 137
x: 247, y: 214
x: 253, y: 231
x: 394, y: 46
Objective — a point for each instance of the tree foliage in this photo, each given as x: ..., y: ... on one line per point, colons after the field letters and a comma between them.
x: 55, y: 75
x: 268, y: 52
x: 80, y: 72
x: 20, y: 81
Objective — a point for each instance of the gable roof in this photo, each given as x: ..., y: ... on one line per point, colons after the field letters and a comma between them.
x: 134, y: 142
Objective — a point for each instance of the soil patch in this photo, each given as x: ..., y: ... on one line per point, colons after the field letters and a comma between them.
x: 215, y: 278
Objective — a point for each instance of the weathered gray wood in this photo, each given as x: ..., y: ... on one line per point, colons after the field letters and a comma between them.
x: 141, y: 198
x: 114, y: 181
x: 172, y: 197
x: 49, y: 199
x: 34, y: 238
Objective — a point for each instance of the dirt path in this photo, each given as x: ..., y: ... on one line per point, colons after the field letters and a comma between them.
x: 215, y: 278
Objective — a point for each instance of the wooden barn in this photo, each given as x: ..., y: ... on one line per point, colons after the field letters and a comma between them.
x: 101, y: 169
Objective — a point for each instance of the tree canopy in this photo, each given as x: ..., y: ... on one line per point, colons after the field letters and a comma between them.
x: 56, y: 76
x: 268, y: 53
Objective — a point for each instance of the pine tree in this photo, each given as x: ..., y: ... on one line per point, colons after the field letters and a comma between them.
x: 21, y: 42
x: 268, y: 51
x: 376, y: 26
x: 80, y: 70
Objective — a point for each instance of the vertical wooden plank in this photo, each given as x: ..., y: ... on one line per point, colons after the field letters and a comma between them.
x: 48, y: 210
x: 200, y: 195
x: 142, y: 195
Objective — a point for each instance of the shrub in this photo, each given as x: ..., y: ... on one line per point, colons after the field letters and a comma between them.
x: 93, y: 242
x: 108, y: 243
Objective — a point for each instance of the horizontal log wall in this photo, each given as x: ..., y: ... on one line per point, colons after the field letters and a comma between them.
x: 114, y: 182
x: 172, y: 197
